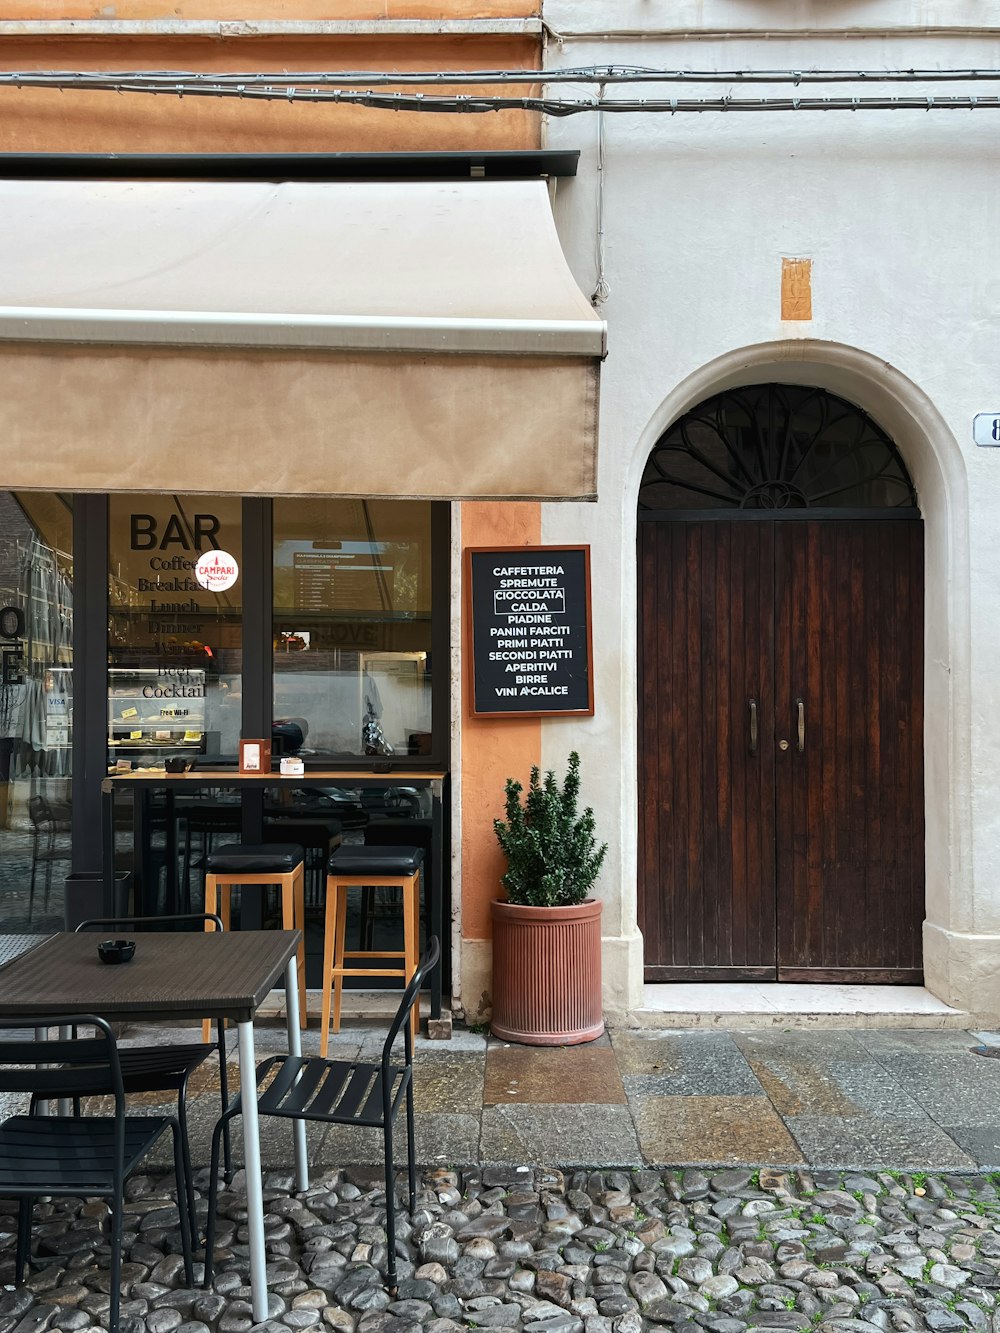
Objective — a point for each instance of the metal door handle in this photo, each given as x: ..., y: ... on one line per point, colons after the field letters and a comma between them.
x: 753, y: 726
x: 800, y: 710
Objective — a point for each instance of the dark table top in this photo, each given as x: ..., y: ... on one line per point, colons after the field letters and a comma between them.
x: 188, y: 974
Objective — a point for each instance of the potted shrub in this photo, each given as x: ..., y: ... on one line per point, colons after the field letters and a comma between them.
x: 547, y: 933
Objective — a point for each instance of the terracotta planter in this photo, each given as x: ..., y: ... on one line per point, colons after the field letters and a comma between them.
x: 547, y: 973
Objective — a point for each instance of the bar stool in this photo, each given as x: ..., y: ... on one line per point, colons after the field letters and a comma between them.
x: 398, y: 833
x: 352, y: 867
x: 279, y: 863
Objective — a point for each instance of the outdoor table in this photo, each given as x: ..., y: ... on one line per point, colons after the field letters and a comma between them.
x: 175, y: 783
x: 175, y: 976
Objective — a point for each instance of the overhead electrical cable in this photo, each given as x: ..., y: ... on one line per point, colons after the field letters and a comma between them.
x: 343, y: 87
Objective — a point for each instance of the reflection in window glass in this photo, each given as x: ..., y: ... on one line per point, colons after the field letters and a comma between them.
x: 175, y: 648
x: 352, y: 627
x: 36, y: 707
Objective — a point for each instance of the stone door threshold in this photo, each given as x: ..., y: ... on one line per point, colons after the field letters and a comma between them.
x: 749, y: 1004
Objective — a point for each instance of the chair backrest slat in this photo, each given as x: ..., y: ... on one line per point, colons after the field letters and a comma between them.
x: 85, y: 1065
x: 109, y: 922
x: 89, y: 1050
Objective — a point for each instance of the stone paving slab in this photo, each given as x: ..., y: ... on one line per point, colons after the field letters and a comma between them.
x: 540, y: 1075
x: 874, y: 1141
x: 698, y: 1064
x: 953, y: 1087
x: 585, y: 1133
x: 721, y: 1130
x: 981, y: 1143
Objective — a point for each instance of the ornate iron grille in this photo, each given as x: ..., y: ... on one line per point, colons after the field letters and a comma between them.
x: 775, y: 446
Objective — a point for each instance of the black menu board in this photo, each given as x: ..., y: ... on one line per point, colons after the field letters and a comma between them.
x: 529, y: 612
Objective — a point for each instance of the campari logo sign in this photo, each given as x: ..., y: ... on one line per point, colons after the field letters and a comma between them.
x: 216, y: 570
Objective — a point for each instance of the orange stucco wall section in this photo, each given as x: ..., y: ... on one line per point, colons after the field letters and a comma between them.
x: 269, y: 9
x: 492, y: 749
x: 43, y: 120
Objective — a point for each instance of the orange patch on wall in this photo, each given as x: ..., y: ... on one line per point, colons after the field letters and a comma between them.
x: 796, y: 289
x: 269, y: 9
x: 493, y: 749
x: 47, y: 120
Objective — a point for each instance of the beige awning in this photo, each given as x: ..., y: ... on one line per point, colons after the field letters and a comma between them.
x: 420, y: 339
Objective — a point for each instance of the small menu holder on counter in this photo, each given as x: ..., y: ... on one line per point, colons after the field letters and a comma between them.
x: 255, y: 756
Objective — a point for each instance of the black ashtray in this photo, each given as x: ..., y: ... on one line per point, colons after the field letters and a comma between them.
x: 116, y: 951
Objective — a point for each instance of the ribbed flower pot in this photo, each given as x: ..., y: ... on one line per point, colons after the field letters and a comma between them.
x: 547, y: 973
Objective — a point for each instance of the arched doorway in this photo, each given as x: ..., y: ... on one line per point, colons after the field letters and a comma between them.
x: 781, y: 811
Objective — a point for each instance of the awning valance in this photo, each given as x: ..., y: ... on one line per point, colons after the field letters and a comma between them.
x: 349, y: 338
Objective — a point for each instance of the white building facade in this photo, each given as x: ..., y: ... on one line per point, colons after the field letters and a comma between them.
x: 853, y: 253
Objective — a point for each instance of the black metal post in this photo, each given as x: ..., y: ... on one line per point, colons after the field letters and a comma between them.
x: 90, y: 677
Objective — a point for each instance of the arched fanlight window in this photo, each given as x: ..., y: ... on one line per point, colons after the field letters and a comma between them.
x: 775, y: 446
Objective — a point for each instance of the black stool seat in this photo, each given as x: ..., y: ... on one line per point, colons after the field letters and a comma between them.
x: 255, y: 858
x: 382, y: 862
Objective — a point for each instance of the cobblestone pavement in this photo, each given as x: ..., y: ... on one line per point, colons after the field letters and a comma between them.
x: 543, y: 1251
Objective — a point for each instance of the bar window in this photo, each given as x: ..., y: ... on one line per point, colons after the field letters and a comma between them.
x: 36, y: 706
x: 175, y: 633
x: 352, y: 627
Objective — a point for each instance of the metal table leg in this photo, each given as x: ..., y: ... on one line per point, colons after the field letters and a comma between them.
x: 295, y: 1049
x: 255, y: 1183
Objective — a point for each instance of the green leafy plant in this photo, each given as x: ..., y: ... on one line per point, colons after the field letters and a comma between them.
x: 552, y: 855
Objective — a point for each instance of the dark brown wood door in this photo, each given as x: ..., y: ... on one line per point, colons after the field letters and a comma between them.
x: 706, y: 822
x: 849, y: 789
x: 759, y: 859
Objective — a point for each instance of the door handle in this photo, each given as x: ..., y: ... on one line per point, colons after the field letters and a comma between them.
x: 753, y: 726
x: 800, y: 711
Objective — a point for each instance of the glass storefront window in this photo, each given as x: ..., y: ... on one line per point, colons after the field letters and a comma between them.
x: 352, y: 627
x: 36, y: 706
x: 175, y: 646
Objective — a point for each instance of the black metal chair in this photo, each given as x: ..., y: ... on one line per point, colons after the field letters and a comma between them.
x: 342, y: 1092
x: 168, y: 1068
x: 88, y: 1156
x: 47, y: 821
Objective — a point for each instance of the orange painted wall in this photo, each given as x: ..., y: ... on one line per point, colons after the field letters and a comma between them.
x: 268, y: 9
x: 492, y: 750
x: 40, y: 120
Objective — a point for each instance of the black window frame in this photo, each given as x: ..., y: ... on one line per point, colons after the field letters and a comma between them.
x: 91, y: 547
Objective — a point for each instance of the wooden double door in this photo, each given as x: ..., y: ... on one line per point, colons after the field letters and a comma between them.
x: 781, y: 820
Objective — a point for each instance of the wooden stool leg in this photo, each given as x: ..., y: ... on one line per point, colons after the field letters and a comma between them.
x: 211, y: 905
x: 339, y: 945
x: 287, y: 894
x: 299, y: 917
x: 411, y: 936
x: 328, y: 935
x: 225, y: 903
